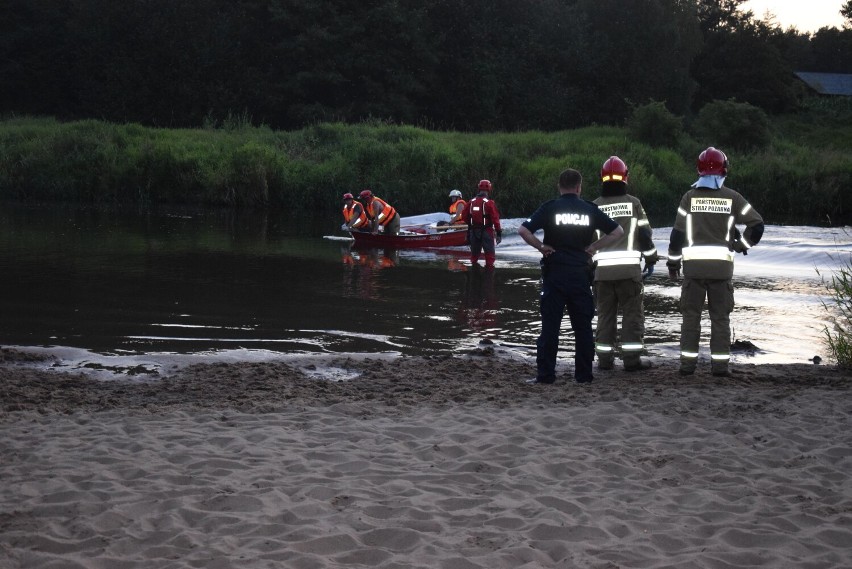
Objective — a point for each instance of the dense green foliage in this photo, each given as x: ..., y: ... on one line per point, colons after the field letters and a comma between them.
x: 733, y: 125
x: 414, y: 168
x: 469, y: 65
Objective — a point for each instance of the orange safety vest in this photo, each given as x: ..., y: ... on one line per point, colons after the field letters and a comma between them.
x: 454, y: 207
x: 387, y: 211
x: 349, y: 213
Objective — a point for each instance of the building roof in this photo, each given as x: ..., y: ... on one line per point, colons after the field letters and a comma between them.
x: 828, y: 83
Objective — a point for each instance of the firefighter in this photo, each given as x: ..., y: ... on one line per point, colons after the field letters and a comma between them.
x: 703, y: 241
x: 354, y: 216
x: 457, y: 208
x: 569, y: 225
x: 483, y: 222
x: 618, y: 273
x: 380, y: 213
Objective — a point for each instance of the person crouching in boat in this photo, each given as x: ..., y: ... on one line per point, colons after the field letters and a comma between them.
x: 354, y: 216
x: 380, y: 213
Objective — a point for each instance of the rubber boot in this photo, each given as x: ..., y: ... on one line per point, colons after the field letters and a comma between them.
x: 489, y: 260
x: 687, y: 365
x: 636, y: 363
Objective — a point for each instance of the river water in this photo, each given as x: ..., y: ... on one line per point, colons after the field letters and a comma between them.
x: 114, y: 293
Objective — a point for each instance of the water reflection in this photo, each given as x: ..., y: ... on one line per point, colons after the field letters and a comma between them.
x: 479, y: 309
x: 361, y: 268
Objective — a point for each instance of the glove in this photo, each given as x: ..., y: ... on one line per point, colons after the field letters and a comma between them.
x: 674, y: 269
x: 739, y: 247
x: 650, y: 261
x: 499, y: 237
x: 344, y: 227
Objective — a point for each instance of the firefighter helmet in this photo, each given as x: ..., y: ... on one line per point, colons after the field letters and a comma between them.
x: 365, y: 195
x: 614, y: 170
x: 348, y: 196
x: 455, y: 194
x: 712, y: 162
x: 485, y: 185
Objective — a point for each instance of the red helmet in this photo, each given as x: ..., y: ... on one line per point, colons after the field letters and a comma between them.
x: 365, y: 195
x: 712, y: 162
x: 614, y: 170
x: 348, y: 196
x: 485, y: 185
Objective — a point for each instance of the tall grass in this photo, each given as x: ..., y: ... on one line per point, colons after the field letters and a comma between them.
x: 242, y: 165
x: 839, y: 335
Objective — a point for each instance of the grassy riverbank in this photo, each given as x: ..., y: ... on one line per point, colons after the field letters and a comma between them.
x: 804, y: 176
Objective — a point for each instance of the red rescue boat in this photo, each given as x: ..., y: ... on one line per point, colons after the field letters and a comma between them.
x: 412, y: 239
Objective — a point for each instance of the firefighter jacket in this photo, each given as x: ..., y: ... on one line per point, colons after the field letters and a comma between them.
x: 482, y: 212
x: 704, y: 235
x: 385, y: 215
x: 354, y: 215
x: 622, y: 260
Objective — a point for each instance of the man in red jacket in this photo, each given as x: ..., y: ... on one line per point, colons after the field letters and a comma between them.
x: 483, y: 222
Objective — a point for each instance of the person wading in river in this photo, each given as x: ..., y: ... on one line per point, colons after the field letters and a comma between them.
x: 483, y: 222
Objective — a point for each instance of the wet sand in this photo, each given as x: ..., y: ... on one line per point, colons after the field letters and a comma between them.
x: 446, y: 462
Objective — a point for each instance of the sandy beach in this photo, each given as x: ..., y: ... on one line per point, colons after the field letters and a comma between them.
x: 445, y: 462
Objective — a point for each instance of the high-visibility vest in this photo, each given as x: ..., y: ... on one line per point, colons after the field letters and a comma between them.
x: 454, y: 209
x: 349, y: 214
x: 387, y: 211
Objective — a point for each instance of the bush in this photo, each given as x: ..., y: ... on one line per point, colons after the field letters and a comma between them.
x: 729, y: 124
x: 655, y: 125
x: 839, y: 337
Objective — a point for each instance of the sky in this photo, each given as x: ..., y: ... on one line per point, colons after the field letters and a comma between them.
x: 805, y: 15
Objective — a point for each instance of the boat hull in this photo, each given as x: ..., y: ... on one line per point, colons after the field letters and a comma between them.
x: 411, y: 240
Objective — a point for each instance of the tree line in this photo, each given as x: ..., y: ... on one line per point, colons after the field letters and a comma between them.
x: 469, y: 65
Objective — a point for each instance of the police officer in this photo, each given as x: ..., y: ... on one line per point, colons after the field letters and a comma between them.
x: 569, y: 225
x: 483, y: 221
x: 703, y: 241
x: 618, y: 273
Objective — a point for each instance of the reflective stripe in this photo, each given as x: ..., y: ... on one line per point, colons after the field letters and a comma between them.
x: 707, y: 253
x: 689, y: 241
x: 643, y: 222
x: 746, y: 209
x: 613, y: 258
x: 632, y: 347
x: 689, y: 354
x: 603, y: 348
x: 675, y: 257
x: 681, y: 211
x: 650, y: 252
x: 720, y: 357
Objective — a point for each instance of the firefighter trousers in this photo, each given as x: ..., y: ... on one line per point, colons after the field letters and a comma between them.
x: 626, y: 294
x: 720, y: 303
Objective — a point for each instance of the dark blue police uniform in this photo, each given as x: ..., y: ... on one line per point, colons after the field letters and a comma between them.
x: 569, y: 225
